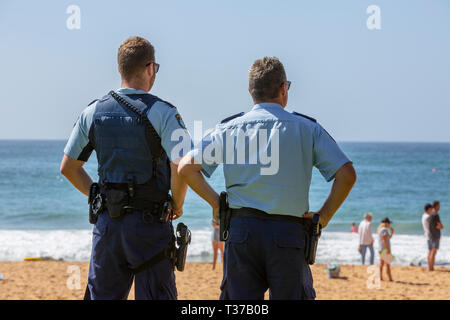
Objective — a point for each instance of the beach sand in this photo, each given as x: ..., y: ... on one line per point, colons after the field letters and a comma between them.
x: 50, y: 279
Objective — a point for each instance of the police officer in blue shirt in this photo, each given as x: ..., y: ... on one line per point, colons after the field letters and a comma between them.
x: 268, y: 155
x: 130, y: 130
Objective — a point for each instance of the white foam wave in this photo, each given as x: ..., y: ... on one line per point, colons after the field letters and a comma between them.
x: 342, y: 247
x: 71, y: 245
x: 75, y: 245
x: 334, y: 247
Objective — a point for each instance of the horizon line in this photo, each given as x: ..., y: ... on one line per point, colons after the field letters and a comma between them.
x: 338, y: 141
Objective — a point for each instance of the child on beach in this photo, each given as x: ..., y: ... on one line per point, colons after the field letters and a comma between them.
x: 385, y: 233
x: 216, y: 243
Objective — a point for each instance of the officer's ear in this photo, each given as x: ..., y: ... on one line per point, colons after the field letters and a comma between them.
x: 150, y: 69
x: 284, y: 90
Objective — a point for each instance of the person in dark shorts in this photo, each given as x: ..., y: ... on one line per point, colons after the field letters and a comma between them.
x: 435, y: 234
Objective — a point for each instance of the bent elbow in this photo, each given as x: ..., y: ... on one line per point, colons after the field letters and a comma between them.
x: 63, y: 170
x: 183, y: 169
x: 347, y: 174
x: 352, y: 177
x: 186, y: 167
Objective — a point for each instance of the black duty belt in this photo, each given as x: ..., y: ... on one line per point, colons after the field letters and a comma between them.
x: 259, y: 214
x: 139, y: 191
x: 120, y: 200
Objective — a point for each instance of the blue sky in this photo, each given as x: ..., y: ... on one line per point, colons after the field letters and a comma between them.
x: 391, y: 84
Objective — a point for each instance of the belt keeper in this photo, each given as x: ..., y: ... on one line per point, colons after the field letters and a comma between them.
x: 131, y: 187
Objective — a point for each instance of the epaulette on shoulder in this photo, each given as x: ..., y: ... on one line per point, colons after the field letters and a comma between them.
x: 92, y: 102
x: 104, y: 98
x: 304, y: 116
x: 166, y: 102
x: 240, y: 114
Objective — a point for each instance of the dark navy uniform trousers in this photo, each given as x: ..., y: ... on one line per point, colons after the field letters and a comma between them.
x: 118, y: 246
x: 266, y: 254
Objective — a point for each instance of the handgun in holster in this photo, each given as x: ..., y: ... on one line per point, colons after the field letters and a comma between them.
x: 224, y: 216
x: 313, y: 236
x: 96, y: 202
x: 182, y: 241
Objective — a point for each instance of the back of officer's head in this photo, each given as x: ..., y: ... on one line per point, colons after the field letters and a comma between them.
x: 265, y: 79
x: 133, y: 55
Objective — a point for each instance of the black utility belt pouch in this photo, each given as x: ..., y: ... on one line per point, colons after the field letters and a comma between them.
x: 116, y: 202
x: 161, y: 211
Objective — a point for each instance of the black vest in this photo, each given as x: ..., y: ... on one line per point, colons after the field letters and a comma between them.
x: 121, y: 142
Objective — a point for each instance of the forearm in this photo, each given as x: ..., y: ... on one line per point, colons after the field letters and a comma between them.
x: 178, y: 186
x: 80, y: 179
x: 73, y: 170
x: 191, y: 173
x: 200, y: 186
x: 344, y: 180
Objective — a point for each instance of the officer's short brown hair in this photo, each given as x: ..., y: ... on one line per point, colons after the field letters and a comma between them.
x: 265, y: 78
x: 134, y: 53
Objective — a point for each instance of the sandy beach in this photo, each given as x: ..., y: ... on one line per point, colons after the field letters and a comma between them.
x: 52, y: 280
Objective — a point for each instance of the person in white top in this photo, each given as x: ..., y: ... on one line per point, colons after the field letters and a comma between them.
x: 365, y: 237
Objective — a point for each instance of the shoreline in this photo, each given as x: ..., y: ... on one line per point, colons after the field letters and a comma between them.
x: 57, y: 280
x: 334, y: 247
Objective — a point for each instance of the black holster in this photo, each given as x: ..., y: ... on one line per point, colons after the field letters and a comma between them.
x: 312, y: 239
x: 224, y: 216
x: 183, y: 239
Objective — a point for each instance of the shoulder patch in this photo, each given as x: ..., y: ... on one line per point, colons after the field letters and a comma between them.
x: 180, y: 121
x: 240, y: 114
x: 304, y: 116
x: 92, y: 102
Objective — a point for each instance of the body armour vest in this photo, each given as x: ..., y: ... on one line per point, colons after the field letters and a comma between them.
x: 121, y: 142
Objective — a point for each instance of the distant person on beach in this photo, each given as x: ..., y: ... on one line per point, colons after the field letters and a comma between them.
x: 432, y: 227
x: 268, y: 201
x: 216, y: 243
x: 385, y: 233
x: 131, y: 133
x: 366, y: 238
x: 353, y: 228
x: 435, y: 222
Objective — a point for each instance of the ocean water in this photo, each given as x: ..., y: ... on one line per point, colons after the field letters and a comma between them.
x: 41, y: 214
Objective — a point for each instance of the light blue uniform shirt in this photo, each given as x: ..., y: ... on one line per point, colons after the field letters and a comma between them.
x: 253, y: 181
x: 164, y: 118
